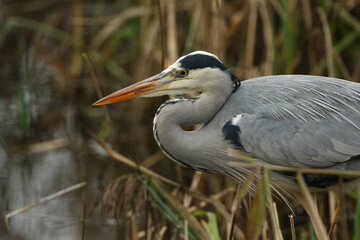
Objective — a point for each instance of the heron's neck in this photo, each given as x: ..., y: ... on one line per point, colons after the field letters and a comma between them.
x: 178, y: 144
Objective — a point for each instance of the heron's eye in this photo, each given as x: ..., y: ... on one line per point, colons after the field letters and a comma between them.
x: 182, y: 72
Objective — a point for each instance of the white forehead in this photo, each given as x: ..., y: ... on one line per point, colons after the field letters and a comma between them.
x: 177, y: 63
x: 172, y: 66
x: 202, y: 53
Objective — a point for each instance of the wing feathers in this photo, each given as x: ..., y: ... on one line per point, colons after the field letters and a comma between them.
x: 300, y: 120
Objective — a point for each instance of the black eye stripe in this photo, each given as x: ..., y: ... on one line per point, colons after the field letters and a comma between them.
x: 198, y: 61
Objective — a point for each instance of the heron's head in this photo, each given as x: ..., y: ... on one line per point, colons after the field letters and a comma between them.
x: 198, y: 71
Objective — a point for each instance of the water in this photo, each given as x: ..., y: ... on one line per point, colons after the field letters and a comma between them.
x: 44, y: 150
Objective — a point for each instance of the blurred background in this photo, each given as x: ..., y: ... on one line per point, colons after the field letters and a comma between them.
x: 57, y: 57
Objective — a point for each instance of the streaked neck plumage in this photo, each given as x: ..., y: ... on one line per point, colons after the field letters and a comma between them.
x: 180, y: 145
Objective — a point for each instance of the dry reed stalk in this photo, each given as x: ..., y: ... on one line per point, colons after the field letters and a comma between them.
x: 250, y: 38
x: 172, y: 43
x: 256, y: 216
x: 203, y: 36
x: 141, y: 234
x: 342, y: 67
x: 242, y: 190
x: 77, y: 32
x: 17, y: 8
x: 233, y: 212
x: 216, y: 196
x: 310, y: 206
x: 214, y: 202
x: 343, y: 217
x: 328, y: 42
x: 43, y: 200
x: 179, y: 177
x: 186, y: 231
x: 152, y: 159
x: 349, y: 18
x: 83, y: 230
x: 274, y: 217
x: 116, y: 22
x: 149, y: 226
x: 40, y: 146
x: 187, y: 198
x: 162, y: 33
x: 332, y: 211
x: 277, y: 220
x: 306, y: 6
x: 268, y: 38
x: 110, y: 197
x: 162, y: 233
x: 193, y: 186
x: 145, y: 60
x: 292, y: 227
x: 217, y: 26
x: 356, y: 69
x: 292, y: 6
x: 145, y: 19
x: 277, y: 7
x: 236, y: 19
x: 93, y: 76
x: 189, y: 217
x: 332, y: 231
x: 222, y: 210
x: 223, y: 193
x: 98, y: 90
x: 133, y: 228
x: 265, y: 229
x: 90, y: 21
x: 194, y: 26
x: 119, y: 157
x: 57, y: 64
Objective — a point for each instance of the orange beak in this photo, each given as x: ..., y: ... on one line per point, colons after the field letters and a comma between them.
x: 147, y: 86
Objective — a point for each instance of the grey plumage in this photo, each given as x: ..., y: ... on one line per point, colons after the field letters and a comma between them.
x: 301, y: 121
x: 286, y: 120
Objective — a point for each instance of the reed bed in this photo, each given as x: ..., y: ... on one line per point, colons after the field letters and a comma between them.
x: 96, y: 47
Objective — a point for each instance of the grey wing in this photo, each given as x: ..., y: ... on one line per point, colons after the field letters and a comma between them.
x: 308, y: 123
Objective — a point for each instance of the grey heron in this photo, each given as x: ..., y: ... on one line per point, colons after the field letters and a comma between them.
x: 285, y: 120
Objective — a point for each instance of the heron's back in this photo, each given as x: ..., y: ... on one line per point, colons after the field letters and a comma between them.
x: 297, y: 120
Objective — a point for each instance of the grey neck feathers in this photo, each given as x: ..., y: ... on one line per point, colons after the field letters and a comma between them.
x: 178, y: 144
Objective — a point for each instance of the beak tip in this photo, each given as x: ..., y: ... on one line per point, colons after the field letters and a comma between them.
x: 97, y: 103
x: 94, y: 104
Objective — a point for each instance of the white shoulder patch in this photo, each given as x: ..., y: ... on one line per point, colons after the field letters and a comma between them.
x: 236, y: 119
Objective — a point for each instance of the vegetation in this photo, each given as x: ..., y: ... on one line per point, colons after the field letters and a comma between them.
x: 58, y: 57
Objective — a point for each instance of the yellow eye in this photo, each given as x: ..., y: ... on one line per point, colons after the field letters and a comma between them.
x: 182, y: 72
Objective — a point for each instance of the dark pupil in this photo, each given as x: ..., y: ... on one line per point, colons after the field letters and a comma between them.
x: 182, y: 72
